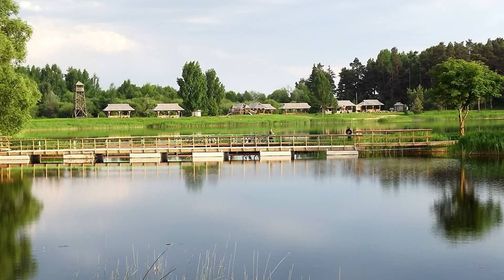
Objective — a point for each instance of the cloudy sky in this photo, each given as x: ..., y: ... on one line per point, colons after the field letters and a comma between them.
x: 252, y: 44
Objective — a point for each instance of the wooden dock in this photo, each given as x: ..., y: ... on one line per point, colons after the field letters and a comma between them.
x: 207, y: 147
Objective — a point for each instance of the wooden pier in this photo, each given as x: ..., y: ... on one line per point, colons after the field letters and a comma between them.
x: 207, y: 147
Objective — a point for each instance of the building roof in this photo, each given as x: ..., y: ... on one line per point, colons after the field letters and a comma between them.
x: 345, y: 103
x: 118, y: 107
x: 168, y: 107
x: 240, y: 106
x: 371, y: 102
x: 261, y: 106
x: 295, y: 106
x: 268, y: 106
x: 79, y: 83
x: 399, y: 104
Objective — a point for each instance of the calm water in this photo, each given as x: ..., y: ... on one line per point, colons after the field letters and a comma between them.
x: 347, y: 219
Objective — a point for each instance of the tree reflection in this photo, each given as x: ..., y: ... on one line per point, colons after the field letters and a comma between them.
x: 462, y: 215
x: 18, y: 208
x: 195, y: 175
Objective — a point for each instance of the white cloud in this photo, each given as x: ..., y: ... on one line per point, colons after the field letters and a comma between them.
x: 51, y: 38
x: 29, y: 6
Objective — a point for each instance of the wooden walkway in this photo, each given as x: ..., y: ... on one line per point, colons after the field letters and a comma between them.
x: 208, y: 147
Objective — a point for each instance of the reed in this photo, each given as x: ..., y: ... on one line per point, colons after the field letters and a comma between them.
x: 489, y: 143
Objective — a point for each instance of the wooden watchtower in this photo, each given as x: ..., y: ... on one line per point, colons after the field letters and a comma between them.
x: 79, y: 101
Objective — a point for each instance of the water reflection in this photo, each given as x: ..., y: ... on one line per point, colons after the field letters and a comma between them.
x: 196, y: 174
x: 462, y: 215
x: 18, y: 208
x: 466, y: 209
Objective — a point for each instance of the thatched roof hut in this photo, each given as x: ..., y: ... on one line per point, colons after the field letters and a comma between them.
x: 370, y: 105
x: 167, y: 110
x: 295, y: 107
x: 118, y: 110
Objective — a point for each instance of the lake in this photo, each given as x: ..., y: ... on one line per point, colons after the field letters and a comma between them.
x: 388, y: 218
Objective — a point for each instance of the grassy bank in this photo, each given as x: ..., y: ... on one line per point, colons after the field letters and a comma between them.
x: 96, y: 127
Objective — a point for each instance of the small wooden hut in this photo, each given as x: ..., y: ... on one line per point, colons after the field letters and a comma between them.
x: 293, y: 108
x: 168, y: 110
x: 118, y: 110
x: 370, y: 105
x: 261, y: 108
x: 240, y: 109
x: 400, y: 107
x: 345, y: 106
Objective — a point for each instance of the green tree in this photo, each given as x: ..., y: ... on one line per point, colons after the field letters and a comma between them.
x: 49, y: 105
x: 322, y: 87
x: 416, y: 97
x: 193, y: 87
x: 215, y: 92
x: 18, y: 94
x: 280, y: 96
x: 460, y: 84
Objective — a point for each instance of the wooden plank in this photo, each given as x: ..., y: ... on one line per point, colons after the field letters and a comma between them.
x: 207, y: 156
x: 25, y: 159
x: 275, y: 155
x: 79, y: 159
x: 145, y: 157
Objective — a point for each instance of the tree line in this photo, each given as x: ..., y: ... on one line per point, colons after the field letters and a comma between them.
x: 393, y: 75
x: 198, y: 90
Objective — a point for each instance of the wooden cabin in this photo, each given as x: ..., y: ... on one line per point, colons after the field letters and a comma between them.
x: 240, y: 109
x: 293, y: 108
x: 261, y: 108
x: 118, y: 110
x: 168, y: 110
x: 370, y: 105
x: 346, y: 106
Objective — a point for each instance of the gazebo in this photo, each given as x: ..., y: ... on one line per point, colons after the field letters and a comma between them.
x: 370, y: 105
x: 168, y: 110
x: 292, y: 108
x: 400, y: 107
x: 118, y: 110
x: 345, y: 106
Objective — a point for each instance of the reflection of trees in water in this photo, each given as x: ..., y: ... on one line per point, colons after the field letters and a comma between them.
x: 196, y: 174
x: 461, y: 214
x: 18, y: 208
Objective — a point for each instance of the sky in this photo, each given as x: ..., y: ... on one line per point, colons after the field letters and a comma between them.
x: 258, y: 45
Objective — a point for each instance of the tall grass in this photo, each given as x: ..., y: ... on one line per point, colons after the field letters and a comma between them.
x: 491, y: 142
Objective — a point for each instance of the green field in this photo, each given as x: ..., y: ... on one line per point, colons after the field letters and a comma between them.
x: 443, y: 122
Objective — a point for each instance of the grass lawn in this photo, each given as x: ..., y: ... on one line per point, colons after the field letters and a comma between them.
x: 243, y: 124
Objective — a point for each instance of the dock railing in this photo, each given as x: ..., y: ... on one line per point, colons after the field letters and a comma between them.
x: 360, y: 137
